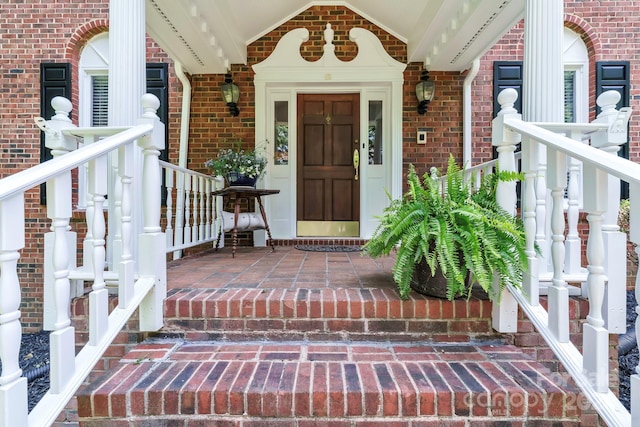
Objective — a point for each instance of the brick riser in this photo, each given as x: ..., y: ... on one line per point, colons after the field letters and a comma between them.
x: 258, y: 383
x: 324, y: 314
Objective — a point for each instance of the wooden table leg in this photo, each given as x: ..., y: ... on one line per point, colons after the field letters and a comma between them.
x: 266, y: 224
x: 236, y: 213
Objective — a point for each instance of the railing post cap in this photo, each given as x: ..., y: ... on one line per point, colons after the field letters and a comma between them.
x: 507, y: 99
x: 150, y: 104
x: 608, y: 100
x: 62, y: 106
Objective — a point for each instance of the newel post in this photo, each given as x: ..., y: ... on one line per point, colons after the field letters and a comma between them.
x: 152, y: 241
x: 505, y: 313
x: 60, y: 248
x: 614, y: 241
x: 13, y: 386
x: 60, y: 242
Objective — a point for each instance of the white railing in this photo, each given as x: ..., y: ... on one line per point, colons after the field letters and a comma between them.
x: 197, y: 213
x: 141, y: 280
x: 551, y: 153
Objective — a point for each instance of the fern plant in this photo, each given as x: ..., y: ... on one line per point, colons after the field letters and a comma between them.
x: 462, y: 231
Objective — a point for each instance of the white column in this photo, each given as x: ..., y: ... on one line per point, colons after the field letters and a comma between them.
x: 543, y: 93
x: 127, y: 84
x: 543, y: 85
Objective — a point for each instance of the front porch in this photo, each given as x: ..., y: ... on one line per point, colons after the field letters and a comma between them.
x: 296, y: 337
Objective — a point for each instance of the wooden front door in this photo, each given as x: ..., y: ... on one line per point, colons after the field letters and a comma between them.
x: 328, y: 195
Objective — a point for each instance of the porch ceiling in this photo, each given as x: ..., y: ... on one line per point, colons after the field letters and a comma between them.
x: 207, y: 36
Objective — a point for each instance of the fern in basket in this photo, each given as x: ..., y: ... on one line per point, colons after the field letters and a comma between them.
x: 461, y: 231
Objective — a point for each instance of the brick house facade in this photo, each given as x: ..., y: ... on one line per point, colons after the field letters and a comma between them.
x: 35, y: 33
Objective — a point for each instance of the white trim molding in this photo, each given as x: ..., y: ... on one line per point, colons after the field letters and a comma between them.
x: 372, y: 70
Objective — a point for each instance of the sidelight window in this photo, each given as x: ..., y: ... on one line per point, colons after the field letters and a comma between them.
x: 375, y: 132
x: 281, y: 133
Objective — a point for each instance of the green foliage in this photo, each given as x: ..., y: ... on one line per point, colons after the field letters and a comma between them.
x: 249, y: 163
x: 462, y: 230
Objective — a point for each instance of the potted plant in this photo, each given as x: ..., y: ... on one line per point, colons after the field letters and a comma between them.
x: 459, y: 235
x: 238, y: 166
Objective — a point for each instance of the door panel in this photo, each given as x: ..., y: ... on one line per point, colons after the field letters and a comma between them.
x: 328, y: 129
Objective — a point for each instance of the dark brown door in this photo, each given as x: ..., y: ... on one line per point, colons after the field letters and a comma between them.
x: 328, y: 186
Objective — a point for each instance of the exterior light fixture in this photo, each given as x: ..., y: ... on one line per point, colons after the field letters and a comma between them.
x: 230, y: 95
x: 424, y: 92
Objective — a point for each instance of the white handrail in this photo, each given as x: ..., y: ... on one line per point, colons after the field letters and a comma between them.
x: 617, y: 166
x: 38, y: 174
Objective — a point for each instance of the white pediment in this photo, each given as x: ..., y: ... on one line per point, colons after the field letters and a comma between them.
x: 372, y: 62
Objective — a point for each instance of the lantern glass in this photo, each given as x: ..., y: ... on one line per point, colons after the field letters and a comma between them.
x: 230, y: 93
x: 425, y: 90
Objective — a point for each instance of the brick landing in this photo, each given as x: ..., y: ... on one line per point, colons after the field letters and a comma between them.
x: 177, y: 383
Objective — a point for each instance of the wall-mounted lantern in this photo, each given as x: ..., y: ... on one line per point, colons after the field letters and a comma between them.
x: 424, y: 92
x: 230, y: 94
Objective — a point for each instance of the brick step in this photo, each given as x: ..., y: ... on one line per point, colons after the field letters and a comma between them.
x: 324, y: 314
x: 180, y: 383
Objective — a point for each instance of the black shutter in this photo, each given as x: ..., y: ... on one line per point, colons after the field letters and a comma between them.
x: 614, y: 75
x: 507, y: 74
x: 55, y: 80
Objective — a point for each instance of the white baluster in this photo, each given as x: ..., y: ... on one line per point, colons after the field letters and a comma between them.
x: 573, y: 243
x: 195, y: 192
x: 88, y: 243
x: 531, y: 283
x: 596, y: 337
x: 116, y: 222
x: 558, y: 292
x: 541, y: 213
x: 168, y: 177
x: 152, y: 242
x: 505, y: 314
x: 126, y: 263
x: 180, y: 219
x: 201, y: 226
x: 187, y: 209
x: 98, y: 298
x: 62, y: 340
x: 13, y: 388
x: 208, y: 202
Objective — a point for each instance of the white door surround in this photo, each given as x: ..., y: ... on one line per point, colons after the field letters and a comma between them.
x: 374, y: 74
